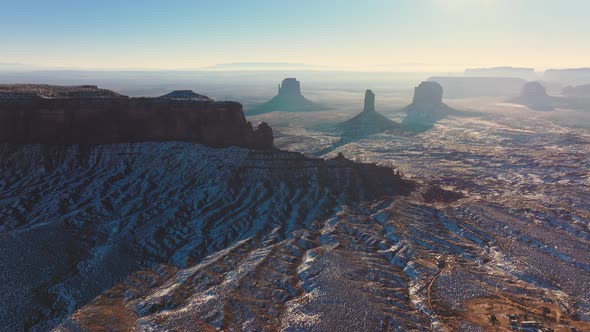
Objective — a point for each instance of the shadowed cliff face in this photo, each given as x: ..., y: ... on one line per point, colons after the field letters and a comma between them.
x: 50, y: 115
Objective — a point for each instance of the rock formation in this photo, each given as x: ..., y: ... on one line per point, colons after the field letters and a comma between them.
x: 288, y: 99
x: 88, y: 115
x: 426, y: 107
x: 428, y: 94
x: 577, y: 97
x: 369, y: 105
x: 580, y: 91
x: 185, y: 94
x: 290, y: 87
x: 534, y: 95
x: 518, y: 72
x: 368, y: 122
x: 466, y: 87
x: 569, y: 76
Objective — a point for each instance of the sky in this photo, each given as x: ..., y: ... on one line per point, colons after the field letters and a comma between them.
x: 400, y: 35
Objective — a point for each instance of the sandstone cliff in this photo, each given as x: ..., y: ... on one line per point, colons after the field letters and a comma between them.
x: 88, y: 115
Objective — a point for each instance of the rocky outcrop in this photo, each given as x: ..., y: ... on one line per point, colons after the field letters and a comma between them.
x: 534, y: 95
x: 262, y: 137
x: 580, y: 91
x: 524, y: 73
x: 344, y: 177
x: 368, y: 122
x: 369, y: 105
x: 290, y: 87
x: 426, y: 108
x: 288, y: 99
x: 467, y: 87
x: 577, y: 97
x: 88, y: 115
x: 569, y: 76
x: 428, y: 94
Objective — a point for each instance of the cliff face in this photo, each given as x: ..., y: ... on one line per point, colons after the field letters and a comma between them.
x: 27, y: 116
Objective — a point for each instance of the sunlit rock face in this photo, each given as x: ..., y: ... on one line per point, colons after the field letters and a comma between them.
x: 88, y: 115
x: 426, y: 107
x: 288, y: 99
x: 368, y: 122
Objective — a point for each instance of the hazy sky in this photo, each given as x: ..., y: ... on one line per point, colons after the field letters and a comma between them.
x: 346, y: 34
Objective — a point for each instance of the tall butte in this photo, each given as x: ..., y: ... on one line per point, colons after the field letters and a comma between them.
x: 369, y: 101
x: 368, y: 122
x: 426, y: 108
x: 288, y: 99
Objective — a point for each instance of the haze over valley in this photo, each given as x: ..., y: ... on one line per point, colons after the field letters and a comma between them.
x: 310, y: 166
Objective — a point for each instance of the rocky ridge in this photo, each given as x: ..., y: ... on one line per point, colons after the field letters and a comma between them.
x: 94, y: 214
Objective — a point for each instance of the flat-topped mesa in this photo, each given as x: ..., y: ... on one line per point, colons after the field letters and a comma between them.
x: 185, y: 94
x: 428, y: 93
x: 74, y: 115
x: 369, y: 105
x: 55, y: 91
x: 290, y: 86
